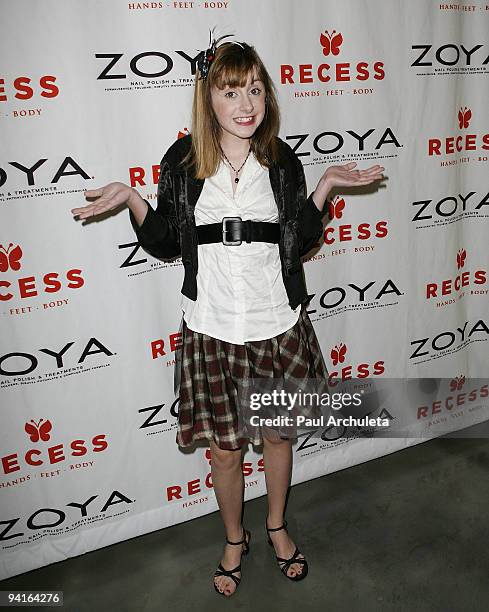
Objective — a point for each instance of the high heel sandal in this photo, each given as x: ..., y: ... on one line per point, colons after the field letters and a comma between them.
x: 284, y: 564
x: 230, y: 573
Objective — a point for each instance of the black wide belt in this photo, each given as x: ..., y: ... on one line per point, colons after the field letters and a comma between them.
x: 232, y: 231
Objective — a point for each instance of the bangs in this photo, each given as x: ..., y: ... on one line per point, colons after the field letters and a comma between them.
x: 235, y: 73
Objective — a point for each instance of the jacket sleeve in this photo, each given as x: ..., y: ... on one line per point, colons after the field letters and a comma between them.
x: 159, y: 235
x: 309, y: 218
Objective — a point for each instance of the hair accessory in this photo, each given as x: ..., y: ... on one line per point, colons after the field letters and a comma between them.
x: 205, y: 58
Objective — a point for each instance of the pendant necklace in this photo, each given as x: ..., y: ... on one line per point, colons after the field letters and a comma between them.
x: 236, y: 179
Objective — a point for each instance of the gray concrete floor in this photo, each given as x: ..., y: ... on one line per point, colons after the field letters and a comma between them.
x: 408, y: 531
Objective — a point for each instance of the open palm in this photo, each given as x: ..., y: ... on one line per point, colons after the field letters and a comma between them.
x: 108, y: 197
x: 346, y: 176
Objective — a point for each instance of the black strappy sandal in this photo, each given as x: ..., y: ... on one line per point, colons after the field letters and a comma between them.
x: 284, y: 564
x: 224, y: 572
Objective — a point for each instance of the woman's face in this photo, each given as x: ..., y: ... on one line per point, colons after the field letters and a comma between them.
x: 240, y: 110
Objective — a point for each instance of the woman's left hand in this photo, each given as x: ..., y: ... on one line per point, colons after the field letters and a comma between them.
x: 346, y: 176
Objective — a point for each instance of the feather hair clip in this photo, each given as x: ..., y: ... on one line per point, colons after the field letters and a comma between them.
x: 205, y: 58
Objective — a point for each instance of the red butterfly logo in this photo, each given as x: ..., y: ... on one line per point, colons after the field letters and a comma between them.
x: 338, y: 353
x: 464, y: 116
x: 184, y: 133
x: 10, y: 258
x: 461, y: 255
x: 336, y: 207
x: 331, y: 43
x: 37, y: 431
x: 457, y: 383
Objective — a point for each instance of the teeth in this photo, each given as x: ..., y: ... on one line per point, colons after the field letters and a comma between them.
x: 244, y: 119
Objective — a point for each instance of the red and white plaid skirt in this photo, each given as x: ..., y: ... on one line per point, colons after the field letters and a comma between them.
x: 208, y: 371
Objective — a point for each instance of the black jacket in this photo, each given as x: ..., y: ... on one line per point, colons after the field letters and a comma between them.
x: 170, y: 230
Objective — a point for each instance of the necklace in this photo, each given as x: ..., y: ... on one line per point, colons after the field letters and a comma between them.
x: 236, y: 179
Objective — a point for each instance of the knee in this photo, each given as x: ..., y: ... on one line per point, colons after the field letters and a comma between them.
x: 225, y: 459
x: 276, y: 441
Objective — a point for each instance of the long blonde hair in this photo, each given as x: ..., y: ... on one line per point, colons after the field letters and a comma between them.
x: 231, y: 66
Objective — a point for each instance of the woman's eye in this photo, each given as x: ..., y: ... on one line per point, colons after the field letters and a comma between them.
x: 229, y: 94
x: 256, y: 90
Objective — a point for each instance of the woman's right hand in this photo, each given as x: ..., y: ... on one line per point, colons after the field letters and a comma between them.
x: 108, y: 197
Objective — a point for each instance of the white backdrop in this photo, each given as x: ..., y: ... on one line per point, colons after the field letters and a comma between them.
x: 93, y: 92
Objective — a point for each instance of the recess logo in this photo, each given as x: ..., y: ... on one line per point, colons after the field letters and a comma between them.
x: 44, y: 455
x: 331, y: 71
x: 451, y: 402
x: 457, y: 287
x: 459, y: 143
x: 351, y: 238
x: 164, y: 347
x: 138, y: 176
x: 27, y: 286
x: 24, y: 88
x: 342, y: 370
x: 196, y: 491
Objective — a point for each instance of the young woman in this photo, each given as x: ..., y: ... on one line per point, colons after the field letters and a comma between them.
x: 243, y: 292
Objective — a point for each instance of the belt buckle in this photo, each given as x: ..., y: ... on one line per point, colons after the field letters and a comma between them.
x: 225, y: 229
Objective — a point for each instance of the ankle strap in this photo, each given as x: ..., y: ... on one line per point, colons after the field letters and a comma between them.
x: 241, y: 541
x: 283, y: 526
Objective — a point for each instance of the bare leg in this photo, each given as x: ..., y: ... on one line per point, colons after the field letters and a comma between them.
x: 277, y: 457
x: 228, y: 482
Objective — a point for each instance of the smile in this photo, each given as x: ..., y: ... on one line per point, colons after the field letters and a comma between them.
x: 245, y: 120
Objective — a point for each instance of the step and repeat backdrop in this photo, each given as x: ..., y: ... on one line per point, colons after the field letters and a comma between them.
x: 93, y: 92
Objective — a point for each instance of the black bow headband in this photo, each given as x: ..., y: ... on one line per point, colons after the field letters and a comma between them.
x: 205, y: 58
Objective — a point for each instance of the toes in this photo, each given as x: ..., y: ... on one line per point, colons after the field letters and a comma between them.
x: 295, y: 570
x: 225, y: 585
x: 228, y: 589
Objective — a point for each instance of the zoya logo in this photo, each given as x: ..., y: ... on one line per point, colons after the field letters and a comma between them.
x: 453, y: 399
x: 54, y: 454
x: 326, y: 72
x: 54, y: 518
x: 348, y: 371
x: 201, y: 486
x: 21, y: 364
x: 450, y: 55
x: 450, y: 339
x: 117, y: 67
x: 31, y: 286
x: 328, y: 142
x: 449, y: 145
x: 68, y: 168
x: 345, y: 232
x: 450, y: 206
x: 456, y: 284
x: 368, y: 293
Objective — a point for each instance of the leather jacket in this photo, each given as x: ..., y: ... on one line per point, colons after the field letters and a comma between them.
x: 170, y: 230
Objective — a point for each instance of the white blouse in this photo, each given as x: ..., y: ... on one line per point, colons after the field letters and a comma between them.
x: 240, y: 291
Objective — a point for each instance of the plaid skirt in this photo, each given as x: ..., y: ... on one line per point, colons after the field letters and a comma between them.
x: 208, y: 372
